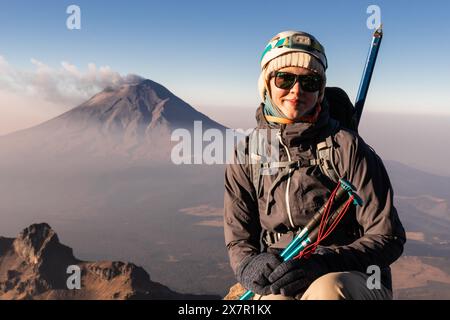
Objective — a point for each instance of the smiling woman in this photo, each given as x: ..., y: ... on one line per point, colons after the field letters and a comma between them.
x: 265, y: 210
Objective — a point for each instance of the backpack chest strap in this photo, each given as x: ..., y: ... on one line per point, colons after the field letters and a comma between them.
x: 290, y: 164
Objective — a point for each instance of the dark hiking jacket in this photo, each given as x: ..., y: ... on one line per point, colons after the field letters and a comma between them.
x: 368, y: 235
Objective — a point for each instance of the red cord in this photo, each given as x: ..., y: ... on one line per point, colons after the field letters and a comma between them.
x: 305, y: 253
x: 338, y: 218
x: 323, y: 231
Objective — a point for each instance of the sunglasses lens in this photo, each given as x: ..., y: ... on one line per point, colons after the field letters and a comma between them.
x: 309, y: 83
x: 285, y: 80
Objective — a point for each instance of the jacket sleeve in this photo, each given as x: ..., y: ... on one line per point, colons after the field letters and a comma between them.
x: 383, y: 234
x: 241, y: 218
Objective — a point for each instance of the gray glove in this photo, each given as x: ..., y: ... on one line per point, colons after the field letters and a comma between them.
x: 294, y: 276
x: 254, y: 271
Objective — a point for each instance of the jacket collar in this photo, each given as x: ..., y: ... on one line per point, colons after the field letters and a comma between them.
x: 297, y: 133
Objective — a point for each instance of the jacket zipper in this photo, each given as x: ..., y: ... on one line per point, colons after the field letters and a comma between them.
x: 288, y: 208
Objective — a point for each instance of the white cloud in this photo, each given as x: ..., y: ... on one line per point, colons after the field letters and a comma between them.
x: 28, y: 98
x: 66, y: 85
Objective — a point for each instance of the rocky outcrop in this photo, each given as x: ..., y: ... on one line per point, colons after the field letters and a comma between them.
x: 36, y: 265
x: 235, y: 292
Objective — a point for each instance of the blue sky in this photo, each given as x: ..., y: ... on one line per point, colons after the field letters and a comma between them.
x: 207, y: 52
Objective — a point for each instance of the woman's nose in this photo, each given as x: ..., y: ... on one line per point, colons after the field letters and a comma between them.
x: 296, y: 89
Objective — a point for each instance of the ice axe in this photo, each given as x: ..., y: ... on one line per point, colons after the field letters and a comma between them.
x: 367, y: 74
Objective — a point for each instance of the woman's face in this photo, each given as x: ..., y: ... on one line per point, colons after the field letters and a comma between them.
x: 295, y: 102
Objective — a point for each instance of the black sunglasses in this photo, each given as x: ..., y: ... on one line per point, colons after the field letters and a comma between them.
x: 308, y: 82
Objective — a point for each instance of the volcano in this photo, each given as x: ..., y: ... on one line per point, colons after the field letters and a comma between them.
x: 133, y: 122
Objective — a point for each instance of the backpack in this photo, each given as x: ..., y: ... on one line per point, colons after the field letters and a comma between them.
x: 342, y: 114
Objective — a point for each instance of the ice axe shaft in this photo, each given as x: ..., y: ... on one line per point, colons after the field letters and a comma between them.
x: 367, y: 74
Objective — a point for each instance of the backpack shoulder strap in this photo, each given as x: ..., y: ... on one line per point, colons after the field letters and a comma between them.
x: 254, y: 160
x: 325, y: 154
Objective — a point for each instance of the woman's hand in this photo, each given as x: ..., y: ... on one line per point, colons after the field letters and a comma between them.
x: 254, y: 271
x: 294, y: 276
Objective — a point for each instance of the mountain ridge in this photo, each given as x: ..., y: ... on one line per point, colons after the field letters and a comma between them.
x: 35, y: 266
